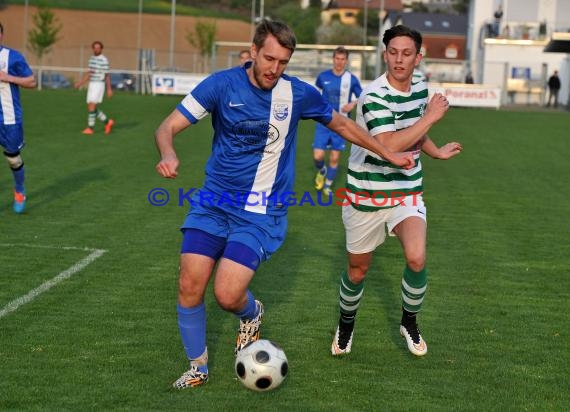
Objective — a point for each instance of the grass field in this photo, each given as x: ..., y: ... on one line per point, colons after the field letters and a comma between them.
x: 103, y: 334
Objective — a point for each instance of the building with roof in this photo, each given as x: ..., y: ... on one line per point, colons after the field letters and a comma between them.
x: 527, y: 47
x: 346, y: 11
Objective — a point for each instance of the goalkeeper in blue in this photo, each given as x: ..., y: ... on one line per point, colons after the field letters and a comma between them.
x: 236, y: 219
x: 388, y: 199
x: 338, y: 86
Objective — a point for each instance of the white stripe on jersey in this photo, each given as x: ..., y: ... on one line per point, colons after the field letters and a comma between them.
x: 281, y: 106
x: 344, y: 91
x: 6, y: 91
x: 98, y: 67
x: 195, y: 108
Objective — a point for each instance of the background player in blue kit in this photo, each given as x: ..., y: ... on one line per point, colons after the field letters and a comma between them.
x: 14, y: 73
x: 255, y: 113
x: 338, y: 86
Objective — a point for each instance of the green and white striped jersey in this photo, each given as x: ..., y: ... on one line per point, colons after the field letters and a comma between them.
x: 98, y: 68
x: 372, y: 182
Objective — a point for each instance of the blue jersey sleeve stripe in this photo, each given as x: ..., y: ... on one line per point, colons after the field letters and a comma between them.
x: 186, y: 113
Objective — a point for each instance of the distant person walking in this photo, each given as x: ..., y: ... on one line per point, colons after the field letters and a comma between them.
x: 14, y: 73
x: 553, y: 88
x: 497, y: 23
x: 99, y: 79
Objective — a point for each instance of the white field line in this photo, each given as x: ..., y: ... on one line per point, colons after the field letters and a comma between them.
x: 44, y: 287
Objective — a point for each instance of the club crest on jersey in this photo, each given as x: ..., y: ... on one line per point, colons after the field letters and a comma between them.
x: 422, y: 109
x: 280, y: 111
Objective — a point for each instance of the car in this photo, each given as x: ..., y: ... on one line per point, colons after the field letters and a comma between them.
x: 54, y: 80
x: 122, y: 81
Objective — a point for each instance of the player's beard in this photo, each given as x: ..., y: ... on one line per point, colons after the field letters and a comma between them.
x: 260, y: 80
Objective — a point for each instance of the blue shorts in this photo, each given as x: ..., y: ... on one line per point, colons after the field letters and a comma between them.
x: 263, y: 234
x: 326, y: 139
x: 12, y: 137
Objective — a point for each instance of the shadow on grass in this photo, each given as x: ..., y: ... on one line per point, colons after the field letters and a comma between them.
x: 60, y: 188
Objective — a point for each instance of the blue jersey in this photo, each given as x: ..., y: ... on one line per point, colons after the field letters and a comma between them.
x: 13, y: 63
x: 255, y: 134
x: 338, y: 90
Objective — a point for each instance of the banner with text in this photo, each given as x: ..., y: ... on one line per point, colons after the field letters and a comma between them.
x: 468, y: 95
x: 175, y: 83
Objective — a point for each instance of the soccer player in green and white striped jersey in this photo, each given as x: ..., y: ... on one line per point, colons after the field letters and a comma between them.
x: 99, y: 80
x: 385, y: 198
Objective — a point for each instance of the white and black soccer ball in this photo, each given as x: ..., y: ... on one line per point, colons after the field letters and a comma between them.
x: 261, y: 365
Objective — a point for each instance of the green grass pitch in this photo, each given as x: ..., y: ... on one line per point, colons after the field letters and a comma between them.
x: 105, y: 338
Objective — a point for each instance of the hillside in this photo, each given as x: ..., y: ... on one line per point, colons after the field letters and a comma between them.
x: 119, y: 33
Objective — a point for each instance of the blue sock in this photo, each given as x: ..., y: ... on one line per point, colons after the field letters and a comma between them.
x: 19, y: 178
x: 192, y: 325
x: 250, y: 310
x: 331, y: 173
x: 319, y: 164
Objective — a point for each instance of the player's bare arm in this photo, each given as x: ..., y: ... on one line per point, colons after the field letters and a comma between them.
x: 444, y: 152
x: 406, y: 138
x: 164, y: 138
x: 27, y: 82
x: 82, y: 81
x: 108, y: 84
x: 347, y: 108
x: 357, y: 135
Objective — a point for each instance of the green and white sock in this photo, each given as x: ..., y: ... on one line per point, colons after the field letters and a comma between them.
x: 414, y: 286
x: 350, y: 295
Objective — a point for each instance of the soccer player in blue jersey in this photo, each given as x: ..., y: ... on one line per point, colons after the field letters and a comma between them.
x: 338, y: 86
x: 99, y: 80
x: 14, y: 73
x: 237, y: 219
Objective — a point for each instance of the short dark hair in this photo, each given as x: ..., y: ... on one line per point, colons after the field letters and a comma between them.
x: 401, y: 30
x: 96, y: 42
x: 340, y: 50
x: 277, y: 29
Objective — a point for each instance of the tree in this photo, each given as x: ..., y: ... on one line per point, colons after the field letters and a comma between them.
x: 203, y: 39
x: 303, y: 22
x: 372, y: 24
x: 419, y: 7
x: 45, y: 33
x: 461, y: 6
x: 338, y: 33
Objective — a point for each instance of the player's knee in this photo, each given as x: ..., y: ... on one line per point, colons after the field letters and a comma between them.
x: 416, y: 261
x: 188, y: 289
x: 357, y: 274
x: 227, y: 300
x: 14, y: 160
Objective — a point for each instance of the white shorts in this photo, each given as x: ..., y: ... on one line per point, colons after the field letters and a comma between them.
x: 95, y: 92
x: 365, y: 231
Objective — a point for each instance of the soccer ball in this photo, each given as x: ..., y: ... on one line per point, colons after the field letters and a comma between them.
x: 261, y: 365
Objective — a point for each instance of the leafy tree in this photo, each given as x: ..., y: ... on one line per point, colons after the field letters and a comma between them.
x: 45, y: 33
x: 203, y: 39
x: 372, y: 22
x: 419, y: 7
x: 303, y: 22
x: 338, y: 33
x: 461, y: 6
